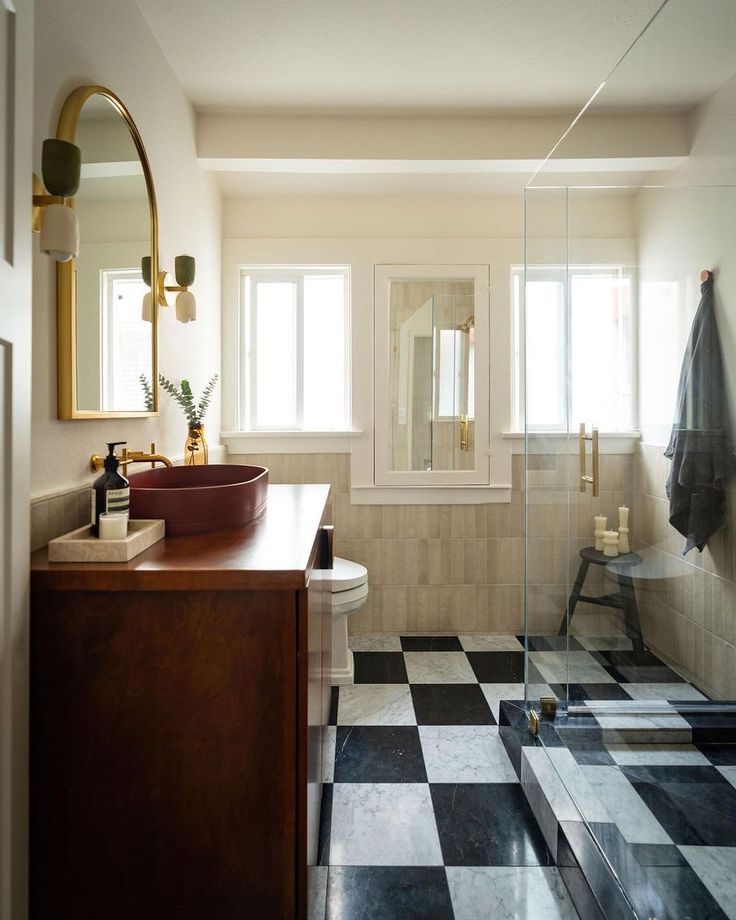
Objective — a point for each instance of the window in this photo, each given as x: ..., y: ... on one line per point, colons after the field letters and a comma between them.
x: 296, y: 332
x: 590, y: 333
x: 126, y: 339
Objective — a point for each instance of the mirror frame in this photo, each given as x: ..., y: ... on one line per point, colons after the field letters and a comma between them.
x: 66, y: 272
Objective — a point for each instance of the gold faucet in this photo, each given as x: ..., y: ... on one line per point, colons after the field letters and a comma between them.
x: 96, y: 462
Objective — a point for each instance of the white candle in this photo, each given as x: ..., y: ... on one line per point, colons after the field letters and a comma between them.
x: 601, y: 522
x: 623, y: 530
x: 610, y: 543
x: 113, y: 526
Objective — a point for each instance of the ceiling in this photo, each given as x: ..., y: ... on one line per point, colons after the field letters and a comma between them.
x: 432, y: 56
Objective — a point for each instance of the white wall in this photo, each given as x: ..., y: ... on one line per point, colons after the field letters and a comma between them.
x: 108, y: 42
x: 362, y: 231
x: 681, y: 231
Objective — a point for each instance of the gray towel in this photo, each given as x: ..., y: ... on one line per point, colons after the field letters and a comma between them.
x: 700, y: 445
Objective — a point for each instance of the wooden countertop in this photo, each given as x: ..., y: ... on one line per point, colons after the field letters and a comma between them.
x: 272, y: 552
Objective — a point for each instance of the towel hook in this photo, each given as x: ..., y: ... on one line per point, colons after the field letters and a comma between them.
x: 705, y: 276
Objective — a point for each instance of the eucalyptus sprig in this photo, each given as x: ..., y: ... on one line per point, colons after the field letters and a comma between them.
x: 194, y: 412
x: 147, y: 392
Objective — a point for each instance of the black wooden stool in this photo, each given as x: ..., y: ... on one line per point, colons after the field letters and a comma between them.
x: 623, y: 599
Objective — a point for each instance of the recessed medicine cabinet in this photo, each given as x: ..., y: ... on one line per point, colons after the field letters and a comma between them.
x: 432, y: 375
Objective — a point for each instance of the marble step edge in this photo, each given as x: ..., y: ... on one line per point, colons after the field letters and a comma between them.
x: 589, y: 880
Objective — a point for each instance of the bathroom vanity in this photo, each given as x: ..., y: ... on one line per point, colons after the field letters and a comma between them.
x: 177, y: 705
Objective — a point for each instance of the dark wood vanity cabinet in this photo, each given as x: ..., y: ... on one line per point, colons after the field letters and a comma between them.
x: 177, y: 705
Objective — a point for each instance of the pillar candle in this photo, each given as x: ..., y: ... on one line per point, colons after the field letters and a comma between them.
x: 623, y: 530
x: 610, y: 543
x: 601, y: 522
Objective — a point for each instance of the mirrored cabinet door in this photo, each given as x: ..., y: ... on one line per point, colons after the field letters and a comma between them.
x: 431, y: 367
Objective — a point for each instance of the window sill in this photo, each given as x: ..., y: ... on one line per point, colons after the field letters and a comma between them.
x: 430, y: 495
x: 289, y: 442
x: 560, y: 442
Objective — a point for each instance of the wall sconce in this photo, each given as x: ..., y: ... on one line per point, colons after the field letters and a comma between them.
x: 61, y: 168
x: 186, y: 305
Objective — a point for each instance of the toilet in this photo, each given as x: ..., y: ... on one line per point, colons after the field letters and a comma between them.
x: 349, y: 593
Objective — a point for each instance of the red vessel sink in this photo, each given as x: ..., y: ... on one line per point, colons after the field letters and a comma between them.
x: 199, y: 499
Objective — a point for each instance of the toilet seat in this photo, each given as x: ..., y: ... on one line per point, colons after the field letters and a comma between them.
x: 347, y: 575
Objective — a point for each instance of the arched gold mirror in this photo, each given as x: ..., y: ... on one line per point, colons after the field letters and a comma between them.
x: 107, y: 337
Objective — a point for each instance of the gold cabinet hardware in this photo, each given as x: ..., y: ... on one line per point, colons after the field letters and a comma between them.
x: 533, y: 722
x: 464, y: 432
x: 593, y: 479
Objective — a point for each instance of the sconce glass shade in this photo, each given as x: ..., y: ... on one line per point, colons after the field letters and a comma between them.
x: 60, y: 232
x: 147, y: 307
x: 61, y: 167
x: 184, y: 270
x: 186, y: 307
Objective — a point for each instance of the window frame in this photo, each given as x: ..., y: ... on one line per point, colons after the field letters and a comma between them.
x: 248, y: 277
x: 563, y: 274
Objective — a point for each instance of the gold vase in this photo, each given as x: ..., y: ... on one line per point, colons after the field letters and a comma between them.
x: 195, y: 447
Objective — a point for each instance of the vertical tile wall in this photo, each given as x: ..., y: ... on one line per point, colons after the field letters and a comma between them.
x: 688, y: 603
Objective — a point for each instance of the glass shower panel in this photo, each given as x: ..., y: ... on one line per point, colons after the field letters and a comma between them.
x: 542, y: 338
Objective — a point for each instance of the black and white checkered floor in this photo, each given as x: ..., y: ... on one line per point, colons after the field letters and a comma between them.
x: 424, y: 817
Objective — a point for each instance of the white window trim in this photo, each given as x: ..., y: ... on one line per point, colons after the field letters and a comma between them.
x: 480, y: 474
x: 248, y: 366
x: 556, y: 272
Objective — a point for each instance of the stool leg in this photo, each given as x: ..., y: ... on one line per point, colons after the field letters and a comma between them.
x: 572, y: 602
x: 632, y: 622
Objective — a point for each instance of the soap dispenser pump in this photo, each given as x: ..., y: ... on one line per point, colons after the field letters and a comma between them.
x: 112, y: 491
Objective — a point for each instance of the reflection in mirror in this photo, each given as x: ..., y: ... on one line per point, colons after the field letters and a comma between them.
x: 431, y: 374
x: 114, y: 344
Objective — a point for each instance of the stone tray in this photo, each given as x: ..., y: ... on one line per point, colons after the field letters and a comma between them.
x: 82, y: 546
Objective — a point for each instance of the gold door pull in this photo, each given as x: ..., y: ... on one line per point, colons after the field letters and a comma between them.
x: 464, y: 429
x: 593, y: 479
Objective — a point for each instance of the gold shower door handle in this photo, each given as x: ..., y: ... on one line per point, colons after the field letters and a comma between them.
x: 464, y: 433
x: 594, y: 479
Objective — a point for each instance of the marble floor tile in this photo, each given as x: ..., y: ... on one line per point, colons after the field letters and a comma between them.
x: 491, y: 644
x: 716, y: 869
x: 575, y: 667
x: 383, y: 825
x: 501, y: 668
x: 325, y: 826
x: 388, y: 893
x: 465, y: 754
x: 729, y: 772
x: 625, y: 808
x: 374, y: 643
x: 605, y: 643
x: 637, y: 667
x: 438, y: 668
x: 578, y: 692
x: 378, y: 754
x: 661, y: 691
x: 509, y: 893
x: 450, y: 704
x: 553, y: 644
x: 657, y: 754
x: 380, y: 668
x: 695, y: 805
x: 317, y: 891
x: 719, y: 754
x: 329, y: 733
x: 487, y: 824
x: 494, y: 693
x: 686, y: 897
x: 375, y: 704
x: 334, y: 697
x: 645, y: 729
x: 430, y: 644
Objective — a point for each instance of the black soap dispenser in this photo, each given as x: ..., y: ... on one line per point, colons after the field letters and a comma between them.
x: 112, y: 491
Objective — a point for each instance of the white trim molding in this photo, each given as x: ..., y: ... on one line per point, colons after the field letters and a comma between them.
x: 289, y: 442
